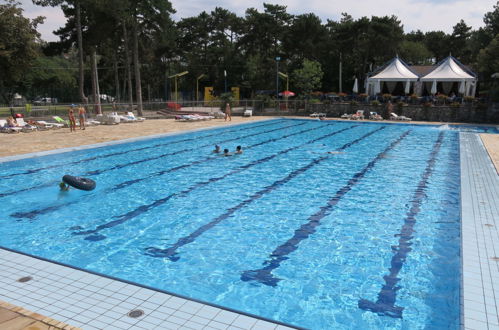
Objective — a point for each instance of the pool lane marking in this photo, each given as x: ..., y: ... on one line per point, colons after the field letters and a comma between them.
x: 35, y: 213
x: 171, y: 252
x: 187, y: 150
x: 264, y: 275
x: 133, y: 150
x: 144, y: 208
x: 385, y: 305
x: 97, y: 172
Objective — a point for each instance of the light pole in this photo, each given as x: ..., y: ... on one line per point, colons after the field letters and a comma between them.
x: 197, y: 85
x: 277, y: 59
x: 176, y: 77
x: 164, y: 60
x: 283, y: 75
x: 225, y: 80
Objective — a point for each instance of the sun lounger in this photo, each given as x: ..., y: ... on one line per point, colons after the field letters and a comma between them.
x: 61, y: 121
x: 217, y: 114
x: 50, y: 125
x: 346, y: 116
x: 5, y: 129
x: 394, y: 116
x: 40, y: 125
x: 111, y: 119
x: 131, y: 116
x: 192, y: 117
x: 318, y: 114
x: 248, y: 113
x: 374, y: 116
x: 358, y: 115
x: 25, y: 126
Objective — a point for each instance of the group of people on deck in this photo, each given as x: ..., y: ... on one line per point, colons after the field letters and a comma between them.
x: 226, y: 152
x: 72, y: 120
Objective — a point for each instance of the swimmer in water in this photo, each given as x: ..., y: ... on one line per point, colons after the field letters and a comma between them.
x: 63, y: 186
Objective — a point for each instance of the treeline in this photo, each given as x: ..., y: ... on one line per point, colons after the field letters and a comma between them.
x: 136, y: 45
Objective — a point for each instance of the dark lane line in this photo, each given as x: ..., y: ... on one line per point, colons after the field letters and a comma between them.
x: 385, y: 305
x: 185, y: 150
x: 138, y: 149
x: 35, y: 213
x: 171, y: 252
x: 144, y: 208
x: 52, y: 183
x: 264, y: 275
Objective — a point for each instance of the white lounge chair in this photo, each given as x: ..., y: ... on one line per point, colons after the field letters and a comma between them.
x: 50, y: 125
x: 131, y: 116
x: 318, y: 114
x: 217, y: 114
x: 25, y: 126
x: 358, y: 115
x: 5, y: 129
x: 111, y: 119
x: 346, y: 116
x: 394, y: 116
x: 248, y: 113
x: 374, y: 116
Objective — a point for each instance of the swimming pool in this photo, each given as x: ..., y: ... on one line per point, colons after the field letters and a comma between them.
x: 367, y: 236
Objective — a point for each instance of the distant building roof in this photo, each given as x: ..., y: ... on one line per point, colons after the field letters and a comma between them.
x: 422, y: 70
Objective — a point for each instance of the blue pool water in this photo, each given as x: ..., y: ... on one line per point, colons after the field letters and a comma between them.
x: 364, y: 237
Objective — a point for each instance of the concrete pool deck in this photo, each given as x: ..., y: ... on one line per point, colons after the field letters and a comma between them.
x: 56, y: 291
x: 479, y: 236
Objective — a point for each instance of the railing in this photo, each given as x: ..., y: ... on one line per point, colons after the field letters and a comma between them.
x: 438, y: 111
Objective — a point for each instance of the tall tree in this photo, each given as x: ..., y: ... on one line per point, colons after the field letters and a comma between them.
x: 76, y: 4
x: 18, y: 46
x: 308, y: 77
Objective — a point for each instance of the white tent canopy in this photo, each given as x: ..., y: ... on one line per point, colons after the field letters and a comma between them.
x: 395, y: 71
x: 448, y: 72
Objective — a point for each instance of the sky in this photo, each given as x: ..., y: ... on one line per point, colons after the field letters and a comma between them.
x: 425, y: 15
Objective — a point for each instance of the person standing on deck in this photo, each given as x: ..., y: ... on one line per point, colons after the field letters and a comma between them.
x: 72, y: 120
x: 81, y: 115
x: 228, y: 112
x: 389, y: 109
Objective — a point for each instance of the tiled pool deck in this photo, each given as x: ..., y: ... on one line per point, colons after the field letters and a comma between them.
x: 86, y: 300
x: 480, y: 235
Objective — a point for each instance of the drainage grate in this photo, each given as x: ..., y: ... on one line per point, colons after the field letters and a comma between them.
x: 136, y: 313
x: 25, y: 279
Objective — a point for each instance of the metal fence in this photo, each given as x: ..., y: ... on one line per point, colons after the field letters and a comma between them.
x: 469, y: 112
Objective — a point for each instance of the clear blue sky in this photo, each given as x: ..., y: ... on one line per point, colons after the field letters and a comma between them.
x: 425, y: 15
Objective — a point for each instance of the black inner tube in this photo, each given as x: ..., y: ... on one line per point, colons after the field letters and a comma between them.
x: 79, y: 182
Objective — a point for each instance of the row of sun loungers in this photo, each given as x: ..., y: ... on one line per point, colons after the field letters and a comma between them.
x: 42, y: 125
x: 373, y: 116
x: 194, y: 117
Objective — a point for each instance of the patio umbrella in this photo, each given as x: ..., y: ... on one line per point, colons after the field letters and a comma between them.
x: 407, y: 86
x: 434, y: 87
x: 462, y: 87
x: 355, y: 88
x: 287, y: 93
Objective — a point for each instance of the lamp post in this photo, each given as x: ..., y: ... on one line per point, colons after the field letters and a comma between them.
x: 197, y: 85
x: 225, y: 81
x: 277, y: 59
x: 283, y: 75
x: 175, y: 76
x: 164, y: 60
